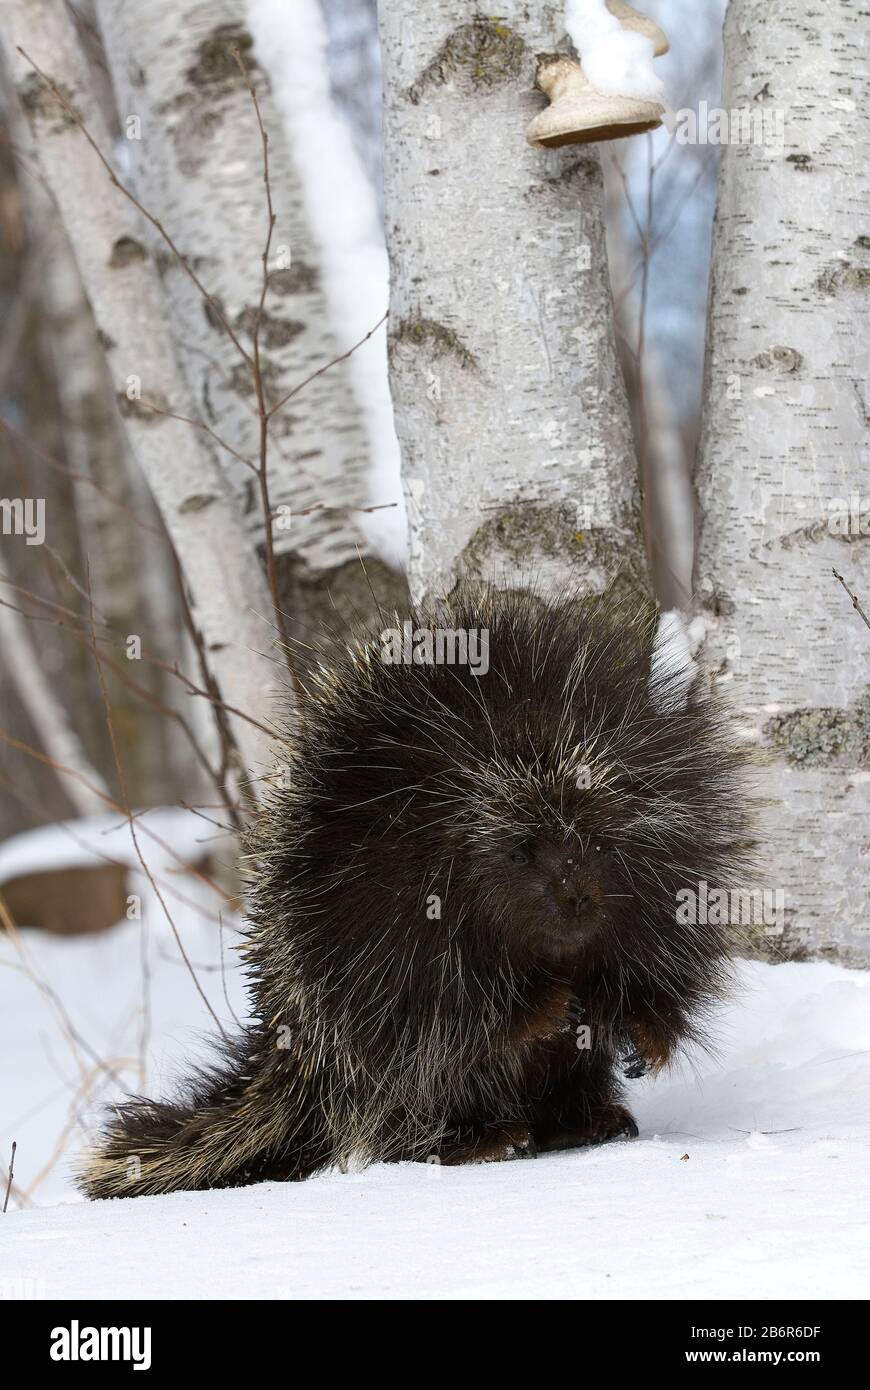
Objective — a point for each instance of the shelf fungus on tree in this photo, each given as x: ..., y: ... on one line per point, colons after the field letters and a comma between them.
x: 580, y: 111
x: 640, y: 24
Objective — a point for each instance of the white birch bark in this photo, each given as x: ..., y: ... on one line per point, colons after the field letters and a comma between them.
x: 199, y: 166
x: 129, y: 590
x: 783, y: 458
x: 509, y: 400
x: 124, y: 290
x: 80, y: 780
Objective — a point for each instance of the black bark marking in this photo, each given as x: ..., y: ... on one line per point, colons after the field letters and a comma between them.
x: 125, y: 251
x: 197, y: 502
x: 581, y: 174
x: 440, y: 340
x: 134, y: 409
x: 274, y: 332
x: 298, y: 278
x: 43, y: 107
x: 479, y: 56
x: 215, y: 69
x: 526, y: 532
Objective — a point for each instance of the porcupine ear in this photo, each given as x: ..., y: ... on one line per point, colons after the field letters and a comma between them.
x: 673, y: 668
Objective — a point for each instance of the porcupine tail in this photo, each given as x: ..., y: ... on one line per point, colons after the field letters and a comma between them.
x: 226, y: 1130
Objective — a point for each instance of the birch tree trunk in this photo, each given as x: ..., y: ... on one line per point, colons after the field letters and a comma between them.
x: 352, y: 252
x: 122, y: 285
x: 198, y: 163
x: 80, y: 780
x: 129, y: 589
x: 782, y: 471
x: 509, y: 401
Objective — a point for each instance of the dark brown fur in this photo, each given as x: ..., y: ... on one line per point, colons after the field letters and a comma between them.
x: 383, y: 1032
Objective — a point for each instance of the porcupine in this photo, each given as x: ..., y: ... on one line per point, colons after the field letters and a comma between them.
x: 457, y: 876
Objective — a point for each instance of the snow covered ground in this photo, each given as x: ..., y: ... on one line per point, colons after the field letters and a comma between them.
x: 751, y: 1178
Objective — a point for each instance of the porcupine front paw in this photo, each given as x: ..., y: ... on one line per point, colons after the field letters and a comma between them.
x: 606, y: 1122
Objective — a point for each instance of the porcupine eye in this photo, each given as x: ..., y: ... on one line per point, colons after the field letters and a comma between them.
x: 606, y: 851
x: 521, y: 854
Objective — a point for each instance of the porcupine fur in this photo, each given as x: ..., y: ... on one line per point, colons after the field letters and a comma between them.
x: 553, y: 807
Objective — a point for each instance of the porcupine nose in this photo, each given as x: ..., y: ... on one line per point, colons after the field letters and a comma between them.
x: 572, y: 895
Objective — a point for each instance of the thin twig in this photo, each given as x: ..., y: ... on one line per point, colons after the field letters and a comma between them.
x: 341, y: 507
x: 171, y: 888
x: 199, y: 425
x: 57, y: 466
x: 68, y: 617
x: 854, y: 597
x: 9, y: 1181
x: 325, y: 368
x: 139, y: 855
x: 131, y: 197
x: 74, y: 1037
x: 22, y: 747
x: 262, y: 470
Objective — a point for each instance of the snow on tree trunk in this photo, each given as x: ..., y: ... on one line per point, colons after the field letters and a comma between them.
x: 782, y: 471
x: 121, y: 282
x: 509, y: 401
x: 198, y: 164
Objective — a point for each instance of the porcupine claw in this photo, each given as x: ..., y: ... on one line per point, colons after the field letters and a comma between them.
x: 635, y: 1066
x: 574, y: 1009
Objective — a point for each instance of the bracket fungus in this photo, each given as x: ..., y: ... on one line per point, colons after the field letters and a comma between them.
x: 580, y: 112
x: 640, y: 24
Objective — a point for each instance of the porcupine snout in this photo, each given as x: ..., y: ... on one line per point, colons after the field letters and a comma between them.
x: 575, y: 886
x: 570, y: 883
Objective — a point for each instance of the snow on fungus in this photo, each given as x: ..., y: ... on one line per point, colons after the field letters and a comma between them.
x: 615, y: 93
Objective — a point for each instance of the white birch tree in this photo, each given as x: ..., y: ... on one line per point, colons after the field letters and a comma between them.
x: 509, y: 401
x: 120, y: 279
x: 782, y: 476
x: 195, y: 147
x: 119, y: 531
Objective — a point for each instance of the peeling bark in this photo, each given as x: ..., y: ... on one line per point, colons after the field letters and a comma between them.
x: 783, y: 454
x: 508, y: 395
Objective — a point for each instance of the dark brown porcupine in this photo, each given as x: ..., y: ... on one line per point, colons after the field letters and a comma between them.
x: 460, y: 874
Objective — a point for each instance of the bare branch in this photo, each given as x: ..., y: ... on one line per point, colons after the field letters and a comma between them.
x: 854, y: 597
x: 9, y: 1182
